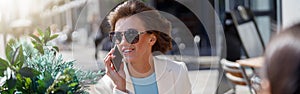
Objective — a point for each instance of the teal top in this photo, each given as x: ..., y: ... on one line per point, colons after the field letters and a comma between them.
x: 147, y: 85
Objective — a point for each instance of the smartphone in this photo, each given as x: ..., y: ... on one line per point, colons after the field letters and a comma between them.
x: 117, y: 61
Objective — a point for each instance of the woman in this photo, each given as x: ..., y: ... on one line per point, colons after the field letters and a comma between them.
x: 281, y: 72
x: 139, y: 31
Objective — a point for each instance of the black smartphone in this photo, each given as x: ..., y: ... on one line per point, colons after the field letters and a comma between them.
x: 117, y: 61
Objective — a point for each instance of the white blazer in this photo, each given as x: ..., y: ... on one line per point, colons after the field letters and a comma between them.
x: 171, y: 76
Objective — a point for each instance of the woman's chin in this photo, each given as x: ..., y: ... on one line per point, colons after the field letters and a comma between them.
x: 128, y: 59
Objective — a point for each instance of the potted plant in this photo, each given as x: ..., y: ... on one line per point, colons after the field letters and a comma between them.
x: 37, y: 67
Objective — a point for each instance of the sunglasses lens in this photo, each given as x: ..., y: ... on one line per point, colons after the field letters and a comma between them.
x: 115, y: 37
x: 118, y: 37
x: 132, y: 36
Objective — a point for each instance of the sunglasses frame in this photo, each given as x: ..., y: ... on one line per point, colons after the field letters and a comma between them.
x: 114, y: 36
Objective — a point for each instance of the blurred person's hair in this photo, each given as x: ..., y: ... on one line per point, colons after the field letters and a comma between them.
x: 282, y: 62
x: 152, y: 21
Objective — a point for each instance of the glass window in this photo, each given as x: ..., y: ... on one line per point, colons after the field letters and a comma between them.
x: 264, y: 26
x: 260, y: 5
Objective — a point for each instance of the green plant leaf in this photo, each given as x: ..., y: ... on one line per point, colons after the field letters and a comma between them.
x: 29, y: 72
x: 3, y: 63
x: 20, y: 83
x: 53, y: 36
x: 14, y: 56
x: 47, y: 35
x: 49, y: 31
x: 44, y: 83
x: 41, y: 86
x: 9, y: 49
x: 39, y: 47
x: 37, y: 39
x: 28, y: 82
x: 73, y: 84
x: 8, y: 52
x: 34, y: 42
x: 17, y: 64
x: 48, y: 78
x: 20, y: 58
x: 56, y: 48
x: 3, y: 66
x: 12, y: 42
x: 40, y: 32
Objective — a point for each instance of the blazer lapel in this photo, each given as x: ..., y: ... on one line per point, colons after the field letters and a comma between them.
x: 164, y: 75
x: 129, y: 85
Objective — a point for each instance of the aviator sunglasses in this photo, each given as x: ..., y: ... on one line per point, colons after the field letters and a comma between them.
x: 131, y: 36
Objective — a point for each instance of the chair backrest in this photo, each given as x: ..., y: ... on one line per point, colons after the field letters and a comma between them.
x: 248, y: 31
x: 235, y: 73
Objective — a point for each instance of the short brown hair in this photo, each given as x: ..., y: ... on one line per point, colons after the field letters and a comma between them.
x: 153, y: 21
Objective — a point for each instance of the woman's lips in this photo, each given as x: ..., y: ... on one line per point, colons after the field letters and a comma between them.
x: 127, y: 51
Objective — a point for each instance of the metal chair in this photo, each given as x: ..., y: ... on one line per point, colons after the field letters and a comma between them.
x: 236, y: 74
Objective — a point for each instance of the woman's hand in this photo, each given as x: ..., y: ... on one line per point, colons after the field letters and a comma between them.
x: 117, y: 77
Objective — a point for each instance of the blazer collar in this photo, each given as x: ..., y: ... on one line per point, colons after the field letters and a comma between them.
x: 163, y: 76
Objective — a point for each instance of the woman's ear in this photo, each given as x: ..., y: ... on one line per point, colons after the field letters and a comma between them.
x: 152, y: 40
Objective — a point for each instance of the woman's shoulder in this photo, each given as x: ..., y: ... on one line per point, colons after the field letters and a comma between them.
x: 103, y: 86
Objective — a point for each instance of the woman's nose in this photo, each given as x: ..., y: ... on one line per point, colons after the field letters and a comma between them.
x: 123, y: 41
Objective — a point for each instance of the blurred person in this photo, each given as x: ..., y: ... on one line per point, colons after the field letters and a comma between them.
x: 141, y: 33
x: 102, y: 40
x: 281, y: 72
